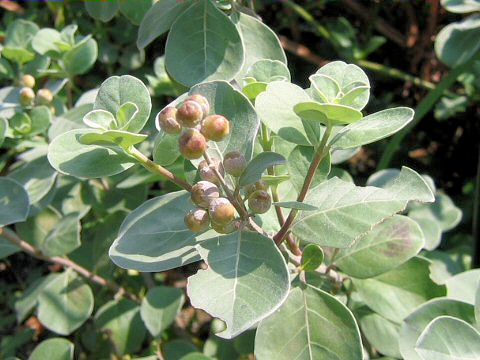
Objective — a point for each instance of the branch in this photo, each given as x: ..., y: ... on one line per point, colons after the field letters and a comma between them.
x: 34, y: 252
x: 157, y: 169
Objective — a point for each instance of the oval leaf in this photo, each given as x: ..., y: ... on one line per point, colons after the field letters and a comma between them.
x: 253, y: 172
x: 14, y: 202
x: 55, y: 349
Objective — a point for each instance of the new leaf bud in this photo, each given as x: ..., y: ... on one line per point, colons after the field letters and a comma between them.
x: 190, y: 114
x: 203, y: 193
x: 192, y: 144
x: 168, y: 121
x: 26, y: 96
x: 202, y: 100
x: 215, y: 127
x: 28, y: 81
x: 259, y: 202
x: 197, y: 220
x: 221, y: 211
x: 44, y: 96
x: 208, y: 174
x: 234, y: 163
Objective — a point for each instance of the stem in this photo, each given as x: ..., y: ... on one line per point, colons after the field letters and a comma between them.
x: 157, y: 169
x: 423, y: 109
x: 65, y: 262
x: 319, y: 155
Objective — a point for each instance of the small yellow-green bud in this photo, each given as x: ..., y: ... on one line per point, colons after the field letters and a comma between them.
x: 26, y: 96
x: 259, y: 185
x: 202, y: 100
x: 234, y: 163
x: 203, y: 192
x: 192, y: 144
x: 44, y: 96
x: 207, y: 172
x: 221, y: 211
x: 215, y: 127
x: 189, y: 114
x: 259, y: 202
x: 168, y: 121
x: 197, y: 220
x: 28, y: 81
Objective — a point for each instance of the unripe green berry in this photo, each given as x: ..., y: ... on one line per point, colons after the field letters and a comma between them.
x: 221, y: 211
x: 28, y: 81
x: 207, y: 172
x: 203, y: 192
x: 26, y: 96
x: 259, y: 202
x: 259, y: 185
x: 202, y: 100
x: 190, y: 114
x: 228, y: 228
x: 215, y: 127
x: 168, y: 121
x: 44, y: 96
x: 197, y: 220
x: 192, y: 144
x: 234, y: 163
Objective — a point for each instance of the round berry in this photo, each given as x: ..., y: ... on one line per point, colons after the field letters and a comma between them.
x: 192, y: 144
x: 207, y: 172
x: 168, y: 121
x: 28, y: 80
x: 227, y: 229
x: 234, y: 163
x: 203, y: 193
x: 215, y: 127
x: 44, y: 96
x: 259, y: 202
x: 202, y: 100
x: 197, y: 220
x: 221, y: 211
x: 259, y: 185
x: 26, y: 96
x: 190, y: 114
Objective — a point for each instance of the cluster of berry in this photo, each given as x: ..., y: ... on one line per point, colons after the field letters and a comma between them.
x: 213, y: 210
x: 27, y: 95
x: 200, y: 127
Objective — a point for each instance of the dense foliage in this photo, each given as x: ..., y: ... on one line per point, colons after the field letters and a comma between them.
x: 174, y: 186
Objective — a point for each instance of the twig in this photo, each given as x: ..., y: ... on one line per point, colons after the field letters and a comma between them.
x: 157, y: 169
x: 65, y: 262
x: 322, y: 150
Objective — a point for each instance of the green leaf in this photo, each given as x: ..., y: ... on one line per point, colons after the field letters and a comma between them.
x: 246, y: 280
x: 178, y: 348
x: 477, y: 305
x: 101, y: 10
x: 100, y: 119
x: 65, y: 304
x: 332, y: 114
x: 118, y: 90
x: 44, y: 42
x: 346, y: 212
x: 123, y: 139
x: 125, y: 114
x: 159, y: 19
x: 6, y: 70
x: 54, y: 348
x: 311, y: 324
x: 160, y: 308
x: 41, y: 118
x: 225, y: 100
x: 461, y: 6
x: 260, y: 163
x: 7, y: 248
x: 394, y: 295
x: 299, y: 162
x: 295, y: 205
x: 64, y: 238
x: 449, y: 338
x: 381, y: 333
x: 254, y: 89
x: 259, y: 42
x: 463, y: 286
x: 71, y: 120
x: 69, y: 156
x: 14, y: 202
x: 372, y: 128
x: 21, y: 123
x: 352, y: 81
x: 121, y: 320
x: 37, y: 178
x: 29, y: 299
x: 267, y: 71
x: 388, y: 245
x: 135, y: 10
x: 323, y: 88
x: 312, y: 257
x: 456, y: 43
x: 203, y: 44
x: 275, y: 109
x: 415, y: 323
x: 443, y: 211
x: 165, y: 151
x: 81, y: 58
x: 154, y: 237
x: 17, y: 41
